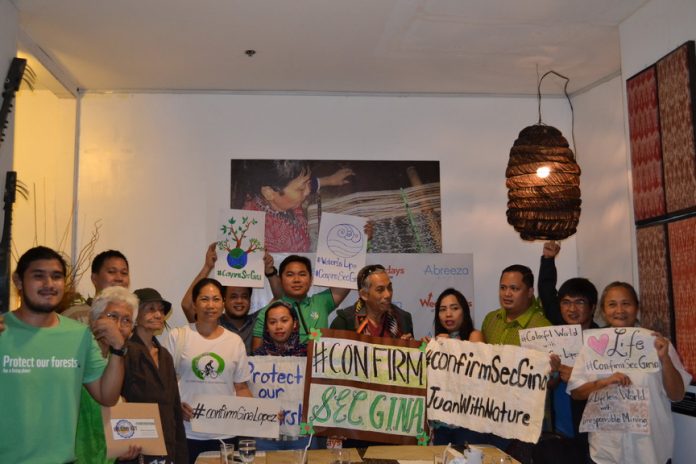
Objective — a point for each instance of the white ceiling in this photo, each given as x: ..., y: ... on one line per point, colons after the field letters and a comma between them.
x: 383, y: 46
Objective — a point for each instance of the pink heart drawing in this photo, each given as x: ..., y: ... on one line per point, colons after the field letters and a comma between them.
x: 598, y: 345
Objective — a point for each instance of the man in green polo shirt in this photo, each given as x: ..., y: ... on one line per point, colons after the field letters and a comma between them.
x: 313, y: 311
x: 519, y: 309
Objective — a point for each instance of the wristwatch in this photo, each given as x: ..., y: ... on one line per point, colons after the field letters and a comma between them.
x: 274, y: 272
x: 120, y: 351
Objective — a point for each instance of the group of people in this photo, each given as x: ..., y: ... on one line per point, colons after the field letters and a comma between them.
x: 117, y: 356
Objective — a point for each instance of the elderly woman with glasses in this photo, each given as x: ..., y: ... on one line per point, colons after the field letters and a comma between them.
x: 121, y: 306
x: 374, y: 314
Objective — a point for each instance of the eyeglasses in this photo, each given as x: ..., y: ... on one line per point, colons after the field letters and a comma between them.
x: 579, y: 303
x: 367, y: 271
x: 124, y: 321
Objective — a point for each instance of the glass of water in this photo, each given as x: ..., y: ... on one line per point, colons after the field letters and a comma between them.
x: 226, y: 453
x: 247, y: 450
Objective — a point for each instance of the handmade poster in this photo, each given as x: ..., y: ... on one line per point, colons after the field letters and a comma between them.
x: 617, y: 409
x: 240, y: 248
x: 341, y: 250
x: 135, y: 424
x: 498, y: 389
x: 367, y: 388
x: 563, y: 340
x: 417, y: 280
x: 234, y: 415
x: 281, y: 378
x: 620, y: 349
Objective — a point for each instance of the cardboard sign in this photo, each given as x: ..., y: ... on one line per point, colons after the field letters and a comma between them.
x: 617, y: 409
x: 281, y: 378
x: 240, y: 248
x: 368, y: 388
x: 563, y: 340
x: 499, y: 389
x: 341, y: 250
x: 235, y: 415
x: 620, y: 349
x: 135, y: 424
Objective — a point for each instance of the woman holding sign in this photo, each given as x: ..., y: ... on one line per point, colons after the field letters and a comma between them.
x: 453, y: 320
x: 209, y: 360
x: 619, y: 303
x: 281, y: 337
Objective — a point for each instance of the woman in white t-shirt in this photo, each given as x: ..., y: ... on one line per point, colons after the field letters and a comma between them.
x: 619, y: 303
x: 209, y: 360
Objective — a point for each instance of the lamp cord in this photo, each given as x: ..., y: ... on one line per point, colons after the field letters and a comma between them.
x: 565, y: 91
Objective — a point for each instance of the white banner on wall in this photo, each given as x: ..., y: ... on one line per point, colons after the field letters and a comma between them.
x: 417, y: 278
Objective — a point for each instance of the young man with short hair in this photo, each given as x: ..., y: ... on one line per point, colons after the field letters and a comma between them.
x: 46, y: 358
x: 109, y: 269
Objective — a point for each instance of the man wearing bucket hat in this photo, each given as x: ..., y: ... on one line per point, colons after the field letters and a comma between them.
x: 150, y: 376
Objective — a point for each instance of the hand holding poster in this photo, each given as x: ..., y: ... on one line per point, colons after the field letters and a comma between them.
x: 235, y: 415
x: 620, y: 349
x: 367, y: 388
x: 618, y: 409
x: 281, y: 378
x: 563, y: 340
x: 498, y: 389
x: 341, y: 250
x: 240, y: 248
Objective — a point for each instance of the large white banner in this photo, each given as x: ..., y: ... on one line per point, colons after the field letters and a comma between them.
x: 417, y: 279
x: 498, y: 389
x: 281, y: 378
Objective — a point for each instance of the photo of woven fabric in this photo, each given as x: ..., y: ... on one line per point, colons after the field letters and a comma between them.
x: 645, y: 142
x: 682, y: 247
x: 654, y: 281
x: 676, y: 77
x: 400, y: 198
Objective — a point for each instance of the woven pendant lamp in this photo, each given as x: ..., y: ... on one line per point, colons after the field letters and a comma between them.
x: 543, y: 182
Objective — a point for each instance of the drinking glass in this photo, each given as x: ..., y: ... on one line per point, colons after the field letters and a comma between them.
x: 226, y: 453
x: 247, y: 450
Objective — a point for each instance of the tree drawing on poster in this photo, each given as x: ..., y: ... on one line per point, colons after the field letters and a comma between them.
x: 239, y: 247
x: 341, y: 250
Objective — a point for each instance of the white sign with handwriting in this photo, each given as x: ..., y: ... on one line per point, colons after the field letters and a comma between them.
x: 620, y: 349
x: 341, y: 250
x: 235, y: 415
x: 563, y: 340
x: 617, y: 409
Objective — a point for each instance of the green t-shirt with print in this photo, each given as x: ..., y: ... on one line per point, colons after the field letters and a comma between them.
x: 41, y: 373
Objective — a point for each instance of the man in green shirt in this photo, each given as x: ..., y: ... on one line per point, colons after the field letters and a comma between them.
x: 46, y: 358
x: 519, y: 308
x: 313, y: 311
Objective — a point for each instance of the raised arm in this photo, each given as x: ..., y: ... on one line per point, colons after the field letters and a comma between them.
x: 272, y: 276
x: 547, y: 283
x: 208, y: 265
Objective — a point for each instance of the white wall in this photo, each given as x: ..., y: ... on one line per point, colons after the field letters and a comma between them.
x: 656, y: 29
x: 155, y: 168
x: 605, y: 233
